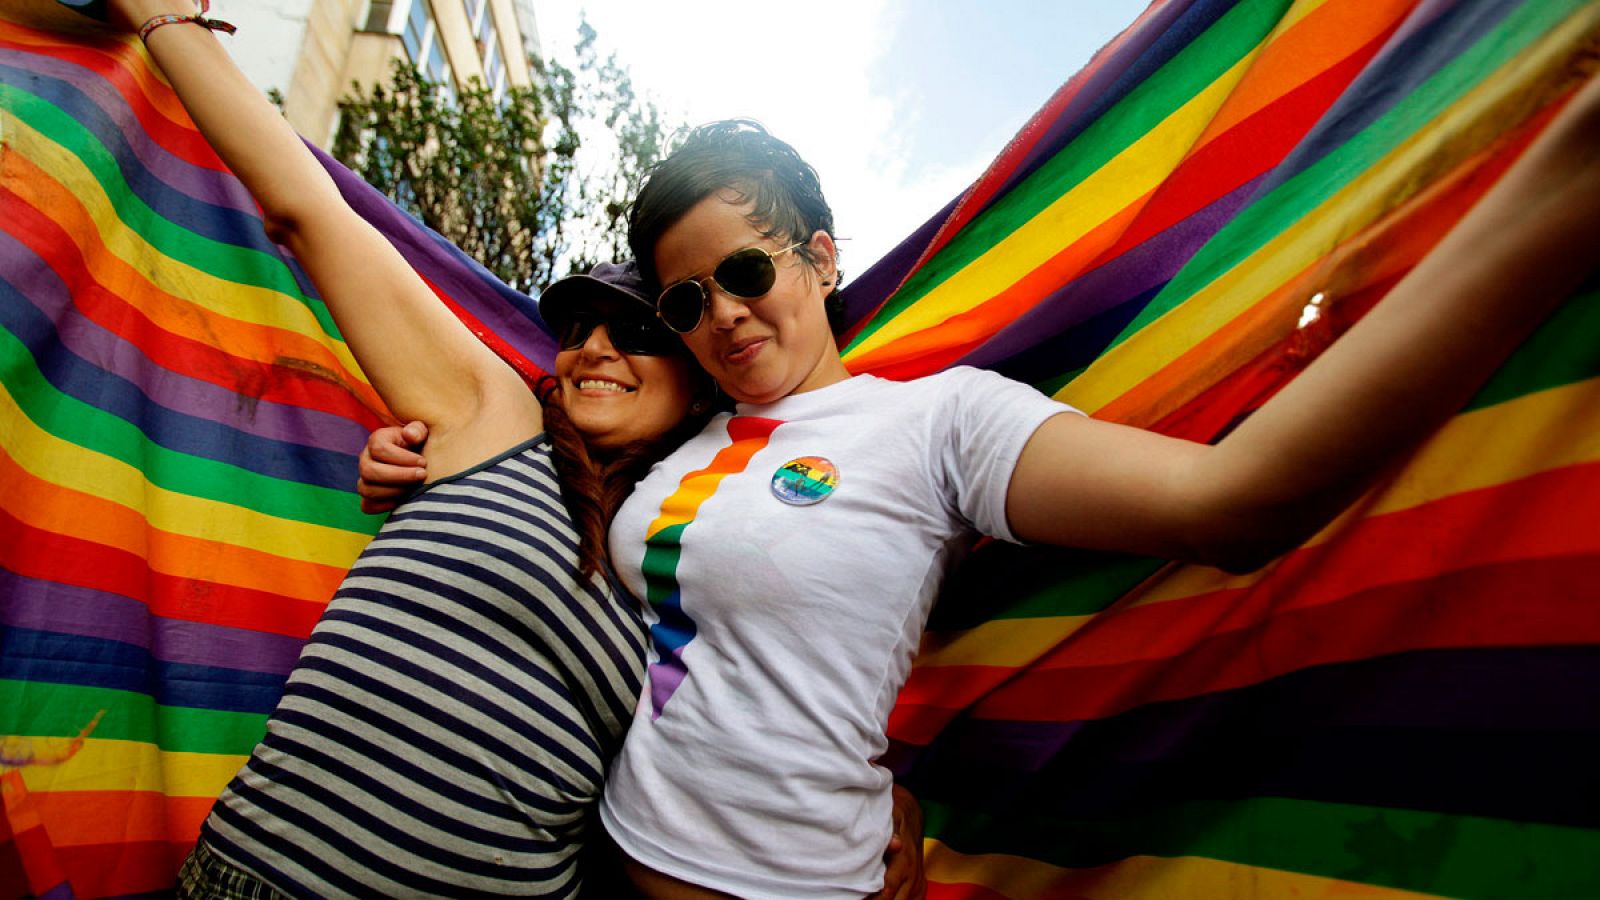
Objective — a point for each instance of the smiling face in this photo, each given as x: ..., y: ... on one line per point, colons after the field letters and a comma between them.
x: 759, y: 350
x: 615, y: 398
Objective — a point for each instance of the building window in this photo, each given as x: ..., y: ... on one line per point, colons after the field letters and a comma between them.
x: 485, y: 31
x: 494, y: 70
x: 480, y: 18
x: 420, y: 36
x: 438, y: 70
x: 378, y: 14
x: 417, y: 30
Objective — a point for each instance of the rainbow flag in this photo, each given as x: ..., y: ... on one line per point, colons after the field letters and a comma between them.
x: 179, y: 423
x: 1408, y: 704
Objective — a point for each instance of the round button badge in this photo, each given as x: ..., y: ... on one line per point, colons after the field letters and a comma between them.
x: 805, y: 480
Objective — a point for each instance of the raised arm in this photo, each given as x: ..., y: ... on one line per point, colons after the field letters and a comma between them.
x: 1393, y: 378
x: 423, y: 362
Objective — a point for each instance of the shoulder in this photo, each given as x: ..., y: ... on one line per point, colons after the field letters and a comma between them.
x: 532, y: 458
x: 985, y: 416
x: 964, y: 381
x: 967, y: 378
x: 948, y: 384
x: 976, y: 392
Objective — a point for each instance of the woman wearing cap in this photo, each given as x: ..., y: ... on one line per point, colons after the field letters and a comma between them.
x: 791, y: 551
x: 448, y: 725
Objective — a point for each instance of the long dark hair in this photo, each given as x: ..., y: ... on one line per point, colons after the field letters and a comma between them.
x: 595, y: 481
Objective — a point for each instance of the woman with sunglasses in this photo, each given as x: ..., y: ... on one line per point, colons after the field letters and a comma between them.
x: 790, y: 552
x: 448, y: 725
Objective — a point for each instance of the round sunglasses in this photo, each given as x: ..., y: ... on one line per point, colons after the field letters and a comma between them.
x: 633, y: 335
x: 747, y: 274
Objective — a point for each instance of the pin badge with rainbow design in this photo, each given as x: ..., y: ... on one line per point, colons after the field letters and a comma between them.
x: 805, y: 480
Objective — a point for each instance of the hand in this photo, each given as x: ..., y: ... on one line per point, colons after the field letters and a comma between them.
x: 903, y: 877
x: 390, y: 467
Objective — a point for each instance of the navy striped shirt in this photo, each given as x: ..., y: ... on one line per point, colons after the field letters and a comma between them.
x: 448, y: 726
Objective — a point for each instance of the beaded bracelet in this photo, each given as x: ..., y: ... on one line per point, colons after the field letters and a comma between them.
x: 198, y: 18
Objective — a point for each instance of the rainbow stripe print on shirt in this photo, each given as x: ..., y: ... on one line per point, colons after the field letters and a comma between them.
x: 747, y: 435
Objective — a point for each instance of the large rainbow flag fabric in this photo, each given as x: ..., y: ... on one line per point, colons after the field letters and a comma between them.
x: 1407, y: 705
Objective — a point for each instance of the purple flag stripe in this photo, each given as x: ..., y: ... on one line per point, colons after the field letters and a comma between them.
x: 199, y: 183
x: 181, y: 393
x: 1135, y: 273
x: 85, y: 612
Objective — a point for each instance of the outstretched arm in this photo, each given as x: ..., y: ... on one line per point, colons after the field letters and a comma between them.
x: 424, y: 363
x: 1393, y: 378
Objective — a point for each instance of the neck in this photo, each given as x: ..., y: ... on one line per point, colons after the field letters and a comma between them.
x: 829, y: 370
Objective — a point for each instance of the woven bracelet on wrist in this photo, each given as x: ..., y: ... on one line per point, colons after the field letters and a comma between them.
x: 198, y: 18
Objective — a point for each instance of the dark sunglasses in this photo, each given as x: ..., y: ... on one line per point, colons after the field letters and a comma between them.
x: 633, y: 335
x: 746, y: 274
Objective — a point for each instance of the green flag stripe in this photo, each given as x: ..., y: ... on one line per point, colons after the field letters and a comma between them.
x: 76, y: 422
x: 45, y: 709
x: 229, y: 262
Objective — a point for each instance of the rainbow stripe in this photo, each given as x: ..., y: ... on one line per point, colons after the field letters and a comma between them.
x: 1407, y: 705
x: 663, y: 548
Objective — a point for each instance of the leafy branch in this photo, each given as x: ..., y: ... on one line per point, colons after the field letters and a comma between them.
x: 514, y: 183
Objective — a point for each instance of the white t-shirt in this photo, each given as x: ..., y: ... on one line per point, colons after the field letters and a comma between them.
x: 782, y: 633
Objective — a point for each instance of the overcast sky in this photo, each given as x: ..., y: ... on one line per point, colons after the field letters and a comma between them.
x: 898, y: 104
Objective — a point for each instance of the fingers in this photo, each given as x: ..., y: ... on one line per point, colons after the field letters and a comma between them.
x: 903, y: 860
x: 396, y: 445
x: 904, y: 877
x: 389, y: 457
x: 382, y: 474
x: 388, y: 468
x: 897, y: 876
x: 901, y: 865
x: 372, y: 504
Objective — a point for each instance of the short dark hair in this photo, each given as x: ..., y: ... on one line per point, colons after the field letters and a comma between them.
x: 741, y: 155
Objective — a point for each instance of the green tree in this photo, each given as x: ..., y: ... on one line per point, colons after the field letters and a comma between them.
x: 516, y: 184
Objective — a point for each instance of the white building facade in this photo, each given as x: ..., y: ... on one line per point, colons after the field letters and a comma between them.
x: 313, y: 50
